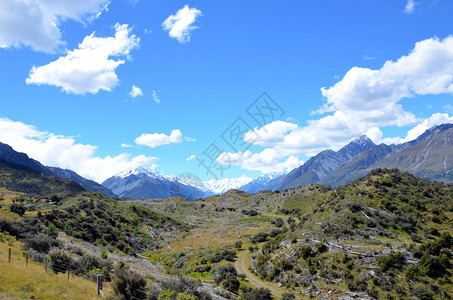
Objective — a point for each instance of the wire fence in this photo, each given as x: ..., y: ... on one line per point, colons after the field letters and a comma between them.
x: 61, y: 266
x: 52, y: 264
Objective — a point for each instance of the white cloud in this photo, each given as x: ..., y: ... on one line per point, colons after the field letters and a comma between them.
x: 123, y: 145
x: 366, y: 100
x: 179, y: 26
x: 192, y: 157
x: 412, y: 134
x: 135, y: 92
x: 89, y: 68
x: 189, y: 139
x: 35, y: 23
x: 410, y: 7
x: 64, y: 152
x: 448, y: 108
x: 267, y: 161
x: 154, y: 140
x: 155, y: 97
x: 362, y: 102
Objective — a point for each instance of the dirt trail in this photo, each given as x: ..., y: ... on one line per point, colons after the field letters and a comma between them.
x: 241, y: 267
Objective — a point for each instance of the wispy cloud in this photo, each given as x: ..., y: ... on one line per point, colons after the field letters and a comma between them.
x: 192, y: 157
x: 410, y: 7
x: 155, y: 97
x: 179, y: 25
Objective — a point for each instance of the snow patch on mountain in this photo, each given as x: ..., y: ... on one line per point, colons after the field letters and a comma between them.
x: 224, y: 185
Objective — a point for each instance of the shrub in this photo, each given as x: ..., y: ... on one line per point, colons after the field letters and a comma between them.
x: 231, y: 283
x: 259, y: 238
x: 238, y: 245
x: 304, y: 252
x: 17, y: 208
x: 279, y: 222
x: 434, y: 266
x: 393, y: 260
x: 287, y: 296
x: 422, y: 293
x: 39, y: 243
x: 224, y: 271
x: 60, y: 261
x: 127, y: 283
x: 257, y: 294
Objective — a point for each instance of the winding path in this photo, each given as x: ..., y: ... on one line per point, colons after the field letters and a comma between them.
x: 241, y: 267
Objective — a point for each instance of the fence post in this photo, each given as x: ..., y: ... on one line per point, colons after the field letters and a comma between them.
x: 99, y: 281
x: 9, y: 255
x: 26, y: 260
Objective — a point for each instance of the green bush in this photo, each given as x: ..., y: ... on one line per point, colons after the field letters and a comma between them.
x: 259, y: 237
x: 257, y: 294
x: 17, y: 208
x: 39, y: 243
x: 393, y: 260
x: 127, y: 283
x: 231, y: 283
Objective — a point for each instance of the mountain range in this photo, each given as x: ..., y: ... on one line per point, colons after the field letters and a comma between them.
x: 429, y: 156
x: 8, y: 154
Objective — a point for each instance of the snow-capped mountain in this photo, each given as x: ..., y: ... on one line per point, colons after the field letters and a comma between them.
x: 224, y: 185
x: 143, y: 183
x: 259, y: 183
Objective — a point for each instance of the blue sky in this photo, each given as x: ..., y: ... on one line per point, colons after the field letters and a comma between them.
x: 68, y: 71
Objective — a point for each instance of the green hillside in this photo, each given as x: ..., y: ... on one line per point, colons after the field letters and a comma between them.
x: 23, y: 179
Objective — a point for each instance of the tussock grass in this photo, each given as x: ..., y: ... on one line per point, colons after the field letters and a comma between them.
x: 32, y: 282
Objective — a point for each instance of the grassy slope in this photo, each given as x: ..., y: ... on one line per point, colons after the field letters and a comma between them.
x: 19, y: 281
x: 23, y: 179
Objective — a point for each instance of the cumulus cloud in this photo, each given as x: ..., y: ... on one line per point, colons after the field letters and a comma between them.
x: 412, y: 134
x: 65, y: 152
x: 365, y: 100
x: 410, y: 7
x: 362, y: 102
x: 267, y: 161
x: 154, y: 140
x: 123, y: 145
x: 179, y: 25
x: 35, y: 23
x: 135, y: 92
x: 89, y: 68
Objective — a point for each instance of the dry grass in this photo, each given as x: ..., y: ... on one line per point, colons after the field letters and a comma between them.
x: 32, y: 282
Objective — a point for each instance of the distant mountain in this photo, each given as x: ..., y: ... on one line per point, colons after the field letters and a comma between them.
x: 430, y: 158
x: 90, y: 185
x: 8, y: 154
x: 259, y: 183
x: 320, y: 166
x: 142, y: 183
x: 23, y: 179
x: 358, y: 165
x: 223, y: 185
